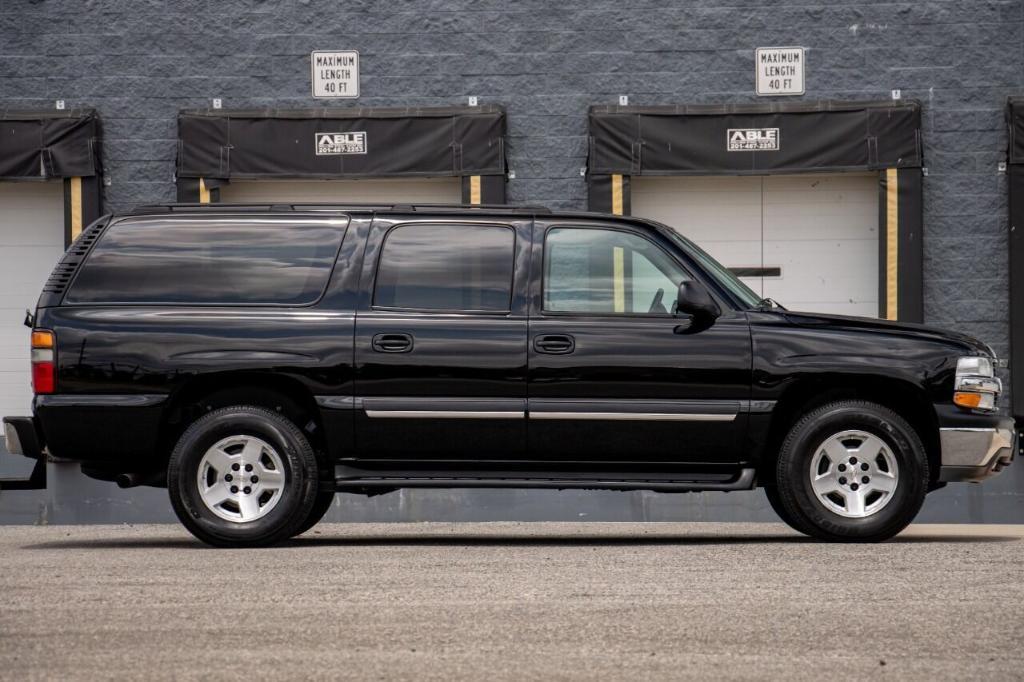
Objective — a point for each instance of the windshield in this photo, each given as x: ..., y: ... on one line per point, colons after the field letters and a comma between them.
x: 721, y: 274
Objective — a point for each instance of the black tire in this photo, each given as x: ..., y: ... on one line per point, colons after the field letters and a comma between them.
x: 324, y: 500
x: 775, y: 500
x: 793, y: 477
x: 297, y: 495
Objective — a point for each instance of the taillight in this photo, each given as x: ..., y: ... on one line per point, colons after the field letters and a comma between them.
x: 44, y: 349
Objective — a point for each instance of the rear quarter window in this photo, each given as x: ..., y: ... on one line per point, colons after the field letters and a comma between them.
x: 222, y: 261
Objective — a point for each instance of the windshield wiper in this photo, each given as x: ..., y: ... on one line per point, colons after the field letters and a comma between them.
x: 770, y: 303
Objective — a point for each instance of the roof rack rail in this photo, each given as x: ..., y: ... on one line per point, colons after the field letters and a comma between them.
x: 499, y: 208
x: 181, y: 207
x: 328, y: 206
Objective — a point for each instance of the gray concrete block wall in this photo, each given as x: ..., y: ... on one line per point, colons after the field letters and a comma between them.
x: 140, y: 61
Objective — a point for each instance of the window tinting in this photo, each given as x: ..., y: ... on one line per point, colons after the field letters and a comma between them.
x: 221, y: 261
x: 607, y: 272
x: 446, y: 267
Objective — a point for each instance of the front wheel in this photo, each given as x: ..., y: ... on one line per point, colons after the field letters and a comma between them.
x: 323, y: 503
x: 851, y: 471
x: 242, y: 476
x: 775, y: 500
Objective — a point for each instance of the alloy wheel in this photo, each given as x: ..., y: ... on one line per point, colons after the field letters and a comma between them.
x: 854, y: 474
x: 241, y: 478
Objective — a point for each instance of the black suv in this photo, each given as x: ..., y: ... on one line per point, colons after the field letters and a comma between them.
x: 256, y: 360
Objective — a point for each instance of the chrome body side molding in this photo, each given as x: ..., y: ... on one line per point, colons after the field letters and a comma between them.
x: 542, y: 408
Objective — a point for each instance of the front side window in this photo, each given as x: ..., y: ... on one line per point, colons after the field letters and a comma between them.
x: 602, y: 271
x: 202, y: 261
x: 721, y: 274
x: 446, y: 267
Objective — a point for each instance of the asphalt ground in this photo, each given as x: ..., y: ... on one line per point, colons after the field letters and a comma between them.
x: 512, y: 601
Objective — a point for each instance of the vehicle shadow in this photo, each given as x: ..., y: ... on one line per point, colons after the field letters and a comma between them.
x: 616, y: 540
x: 511, y: 540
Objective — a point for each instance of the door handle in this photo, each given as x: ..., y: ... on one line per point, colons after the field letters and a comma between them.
x: 392, y: 343
x: 554, y: 343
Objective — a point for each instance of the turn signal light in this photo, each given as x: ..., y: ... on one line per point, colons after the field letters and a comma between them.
x: 42, y: 339
x: 970, y: 400
x: 43, y: 367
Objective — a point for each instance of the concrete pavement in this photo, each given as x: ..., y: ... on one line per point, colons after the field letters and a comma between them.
x: 512, y: 600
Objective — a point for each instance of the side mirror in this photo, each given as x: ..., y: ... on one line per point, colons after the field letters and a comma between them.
x: 693, y: 299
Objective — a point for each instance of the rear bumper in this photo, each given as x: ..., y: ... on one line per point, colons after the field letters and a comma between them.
x: 974, y: 454
x: 22, y: 438
x: 99, y: 427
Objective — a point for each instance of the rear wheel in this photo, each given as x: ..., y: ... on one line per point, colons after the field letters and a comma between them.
x: 851, y: 471
x: 242, y: 476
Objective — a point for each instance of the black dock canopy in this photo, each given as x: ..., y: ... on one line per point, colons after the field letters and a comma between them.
x: 468, y: 142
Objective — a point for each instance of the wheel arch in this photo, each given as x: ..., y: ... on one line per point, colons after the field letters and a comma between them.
x: 280, y: 393
x: 901, y: 396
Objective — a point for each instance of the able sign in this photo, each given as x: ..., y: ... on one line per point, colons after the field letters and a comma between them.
x: 752, y: 139
x: 335, y: 74
x: 780, y: 70
x: 334, y: 144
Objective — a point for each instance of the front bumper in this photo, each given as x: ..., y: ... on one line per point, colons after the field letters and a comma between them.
x: 22, y: 438
x: 974, y: 454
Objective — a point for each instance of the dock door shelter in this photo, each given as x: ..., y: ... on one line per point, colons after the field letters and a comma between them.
x: 815, y: 204
x: 1015, y: 170
x: 425, y: 155
x: 50, y: 188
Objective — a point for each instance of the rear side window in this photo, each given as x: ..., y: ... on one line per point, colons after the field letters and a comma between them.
x: 222, y: 261
x: 446, y: 267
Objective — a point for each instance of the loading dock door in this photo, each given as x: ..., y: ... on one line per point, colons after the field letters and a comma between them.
x: 810, y: 241
x: 421, y: 190
x: 31, y: 243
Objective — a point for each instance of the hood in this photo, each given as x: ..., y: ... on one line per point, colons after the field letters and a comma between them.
x: 812, y: 320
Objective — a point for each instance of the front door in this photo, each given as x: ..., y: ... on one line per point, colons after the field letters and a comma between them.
x: 614, y: 376
x: 441, y: 342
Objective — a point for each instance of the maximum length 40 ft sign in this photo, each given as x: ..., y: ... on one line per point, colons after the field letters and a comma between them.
x: 780, y: 70
x: 335, y: 74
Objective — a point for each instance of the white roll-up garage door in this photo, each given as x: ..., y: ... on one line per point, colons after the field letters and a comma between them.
x: 818, y: 232
x: 375, y: 191
x: 31, y: 243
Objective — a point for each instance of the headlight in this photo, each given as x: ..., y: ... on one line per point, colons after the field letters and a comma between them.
x: 976, y: 387
x: 977, y: 366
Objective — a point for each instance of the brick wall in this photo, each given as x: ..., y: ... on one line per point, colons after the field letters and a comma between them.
x: 140, y: 61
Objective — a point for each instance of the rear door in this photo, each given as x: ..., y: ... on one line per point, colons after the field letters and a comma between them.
x: 441, y: 341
